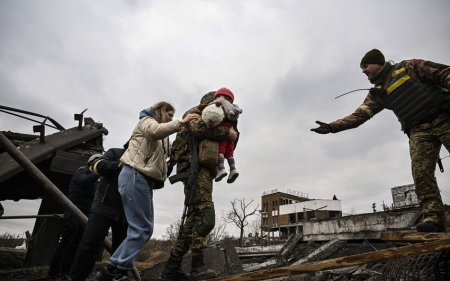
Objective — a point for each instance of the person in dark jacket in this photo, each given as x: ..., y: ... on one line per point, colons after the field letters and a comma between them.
x: 106, y: 212
x: 81, y: 193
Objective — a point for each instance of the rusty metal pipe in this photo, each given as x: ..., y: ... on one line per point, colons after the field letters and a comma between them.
x: 50, y: 188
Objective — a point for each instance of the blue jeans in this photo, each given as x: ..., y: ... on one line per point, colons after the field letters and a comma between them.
x: 137, y: 198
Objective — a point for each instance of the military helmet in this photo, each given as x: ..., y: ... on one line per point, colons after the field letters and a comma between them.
x: 208, y: 97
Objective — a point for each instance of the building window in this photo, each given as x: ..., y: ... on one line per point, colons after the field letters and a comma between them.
x: 311, y: 214
x: 334, y: 214
x: 291, y: 218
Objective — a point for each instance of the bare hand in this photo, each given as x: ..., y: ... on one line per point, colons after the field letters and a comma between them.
x: 232, y: 135
x: 189, y: 117
x: 120, y: 165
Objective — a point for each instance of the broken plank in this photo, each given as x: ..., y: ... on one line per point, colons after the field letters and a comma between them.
x: 413, y: 236
x: 384, y: 255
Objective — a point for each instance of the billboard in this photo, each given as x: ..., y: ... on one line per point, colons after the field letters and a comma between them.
x: 404, y: 196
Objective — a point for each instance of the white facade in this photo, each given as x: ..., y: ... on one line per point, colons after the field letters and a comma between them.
x: 319, y: 204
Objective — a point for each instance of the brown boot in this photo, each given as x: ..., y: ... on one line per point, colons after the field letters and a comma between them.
x: 173, y: 272
x: 199, y: 271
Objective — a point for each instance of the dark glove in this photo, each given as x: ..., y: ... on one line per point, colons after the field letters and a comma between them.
x: 324, y: 128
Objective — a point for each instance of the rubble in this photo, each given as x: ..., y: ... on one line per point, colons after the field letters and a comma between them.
x: 221, y: 258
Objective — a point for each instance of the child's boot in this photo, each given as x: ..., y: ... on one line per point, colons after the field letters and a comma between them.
x: 221, y: 173
x: 233, y: 176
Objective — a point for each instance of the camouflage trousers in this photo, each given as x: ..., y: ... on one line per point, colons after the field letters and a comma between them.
x: 199, y: 221
x: 425, y: 146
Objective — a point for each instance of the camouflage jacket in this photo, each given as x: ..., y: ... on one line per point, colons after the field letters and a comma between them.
x: 419, y: 70
x: 180, y: 150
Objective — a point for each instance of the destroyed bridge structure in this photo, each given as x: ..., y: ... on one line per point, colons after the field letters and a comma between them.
x: 314, y: 242
x: 30, y: 165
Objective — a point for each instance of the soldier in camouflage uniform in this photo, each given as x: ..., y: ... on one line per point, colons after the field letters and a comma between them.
x: 201, y: 217
x: 417, y: 92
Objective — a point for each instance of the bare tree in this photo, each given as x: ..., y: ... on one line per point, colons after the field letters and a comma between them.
x: 239, y: 214
x: 255, y: 226
x: 172, y: 231
x: 218, y: 233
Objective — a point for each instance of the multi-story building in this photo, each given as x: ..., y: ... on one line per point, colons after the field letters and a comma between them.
x: 286, y: 212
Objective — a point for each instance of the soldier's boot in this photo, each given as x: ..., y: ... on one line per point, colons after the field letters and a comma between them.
x: 199, y: 271
x: 429, y: 226
x: 173, y: 272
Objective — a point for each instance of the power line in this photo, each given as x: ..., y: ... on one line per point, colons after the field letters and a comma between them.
x: 445, y: 192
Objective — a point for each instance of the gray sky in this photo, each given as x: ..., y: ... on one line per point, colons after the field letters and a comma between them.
x: 285, y: 62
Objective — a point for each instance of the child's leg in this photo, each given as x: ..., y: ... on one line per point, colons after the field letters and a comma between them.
x: 231, y: 163
x: 221, y: 172
x: 221, y: 161
x: 229, y: 154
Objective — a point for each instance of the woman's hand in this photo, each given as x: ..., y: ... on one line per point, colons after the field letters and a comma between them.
x: 189, y: 117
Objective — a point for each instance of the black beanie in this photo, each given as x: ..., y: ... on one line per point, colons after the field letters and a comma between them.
x: 373, y: 57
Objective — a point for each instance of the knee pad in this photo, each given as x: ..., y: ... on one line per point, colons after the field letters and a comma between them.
x: 207, y: 222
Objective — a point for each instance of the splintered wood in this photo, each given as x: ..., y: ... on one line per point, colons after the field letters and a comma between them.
x: 384, y: 255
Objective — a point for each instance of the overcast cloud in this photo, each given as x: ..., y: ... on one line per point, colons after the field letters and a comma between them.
x: 285, y: 61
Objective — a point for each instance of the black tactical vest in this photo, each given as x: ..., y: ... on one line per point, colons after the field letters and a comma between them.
x: 413, y: 101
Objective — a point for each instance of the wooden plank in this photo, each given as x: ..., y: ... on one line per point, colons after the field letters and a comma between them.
x: 37, y: 151
x: 384, y: 255
x: 67, y: 162
x: 413, y: 236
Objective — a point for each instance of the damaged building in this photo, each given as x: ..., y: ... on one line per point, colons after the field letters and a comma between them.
x: 286, y: 212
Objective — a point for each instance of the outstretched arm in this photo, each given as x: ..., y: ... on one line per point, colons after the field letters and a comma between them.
x: 370, y: 107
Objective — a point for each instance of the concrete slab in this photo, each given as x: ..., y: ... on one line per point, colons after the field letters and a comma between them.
x: 364, y: 226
